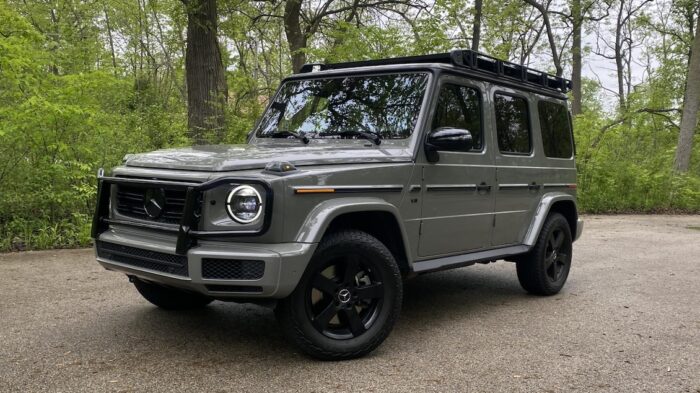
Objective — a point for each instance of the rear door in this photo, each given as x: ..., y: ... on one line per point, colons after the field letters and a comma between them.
x: 457, y: 201
x: 519, y: 169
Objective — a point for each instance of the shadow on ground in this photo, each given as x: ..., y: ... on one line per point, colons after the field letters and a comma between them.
x: 230, y: 331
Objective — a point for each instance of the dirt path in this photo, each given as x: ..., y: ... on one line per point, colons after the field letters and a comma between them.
x: 627, y: 320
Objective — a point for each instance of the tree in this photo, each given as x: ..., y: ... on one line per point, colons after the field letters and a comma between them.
x: 476, y: 30
x: 302, y: 23
x: 544, y: 11
x: 580, y: 14
x: 622, y: 47
x: 691, y: 101
x: 576, y: 55
x: 207, y: 91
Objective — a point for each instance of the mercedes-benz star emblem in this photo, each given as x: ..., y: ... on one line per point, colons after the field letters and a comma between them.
x: 344, y: 295
x: 154, y: 202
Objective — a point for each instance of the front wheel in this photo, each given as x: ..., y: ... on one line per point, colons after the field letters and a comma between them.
x: 543, y: 271
x: 347, y: 300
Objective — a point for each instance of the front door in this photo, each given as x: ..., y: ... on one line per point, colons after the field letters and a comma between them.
x: 457, y: 191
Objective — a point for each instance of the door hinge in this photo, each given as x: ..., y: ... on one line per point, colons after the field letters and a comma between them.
x: 420, y: 228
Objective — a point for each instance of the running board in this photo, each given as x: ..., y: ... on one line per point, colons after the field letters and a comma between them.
x: 454, y: 261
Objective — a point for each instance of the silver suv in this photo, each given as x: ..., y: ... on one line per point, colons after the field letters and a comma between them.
x: 356, y: 176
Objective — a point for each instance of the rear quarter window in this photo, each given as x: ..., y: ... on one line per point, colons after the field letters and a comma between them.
x: 556, y: 130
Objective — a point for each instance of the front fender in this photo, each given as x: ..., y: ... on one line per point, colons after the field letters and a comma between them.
x: 318, y: 220
x: 546, y: 203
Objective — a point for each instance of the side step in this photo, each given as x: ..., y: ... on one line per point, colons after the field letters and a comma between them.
x: 442, y: 263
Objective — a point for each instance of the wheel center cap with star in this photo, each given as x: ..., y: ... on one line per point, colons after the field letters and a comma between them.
x: 344, y: 296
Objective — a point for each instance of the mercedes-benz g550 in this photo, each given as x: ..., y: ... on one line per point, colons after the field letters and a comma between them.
x: 357, y: 174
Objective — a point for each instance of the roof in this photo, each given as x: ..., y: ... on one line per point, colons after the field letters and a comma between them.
x: 466, y: 59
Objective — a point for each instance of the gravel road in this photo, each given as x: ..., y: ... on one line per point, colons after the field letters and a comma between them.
x: 628, y: 320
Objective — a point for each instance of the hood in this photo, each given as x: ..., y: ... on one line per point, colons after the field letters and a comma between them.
x: 220, y: 158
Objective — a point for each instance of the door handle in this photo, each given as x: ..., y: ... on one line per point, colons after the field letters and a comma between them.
x: 533, y: 186
x: 483, y: 187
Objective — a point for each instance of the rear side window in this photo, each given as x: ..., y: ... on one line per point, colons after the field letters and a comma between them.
x: 556, y: 129
x: 512, y: 124
x: 460, y: 107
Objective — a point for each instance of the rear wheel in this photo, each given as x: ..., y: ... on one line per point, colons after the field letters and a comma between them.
x: 170, y: 298
x: 544, y: 270
x: 348, y: 299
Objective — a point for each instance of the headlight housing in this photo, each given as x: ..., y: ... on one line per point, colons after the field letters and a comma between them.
x: 244, y: 204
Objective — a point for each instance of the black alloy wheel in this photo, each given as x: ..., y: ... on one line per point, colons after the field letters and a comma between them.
x: 345, y: 297
x: 556, y: 255
x: 348, y: 299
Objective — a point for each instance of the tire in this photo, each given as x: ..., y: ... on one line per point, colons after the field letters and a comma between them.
x: 347, y: 301
x: 544, y: 270
x: 170, y: 298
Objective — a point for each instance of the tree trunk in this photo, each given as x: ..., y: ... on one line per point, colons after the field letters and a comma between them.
x: 295, y: 36
x: 577, y: 63
x: 476, y: 29
x: 691, y: 102
x: 619, y: 66
x: 111, y: 40
x: 206, y: 79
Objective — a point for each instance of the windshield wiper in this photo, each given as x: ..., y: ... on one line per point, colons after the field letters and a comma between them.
x: 364, y: 134
x: 286, y: 133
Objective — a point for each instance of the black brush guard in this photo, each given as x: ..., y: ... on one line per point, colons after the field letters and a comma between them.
x: 187, y: 232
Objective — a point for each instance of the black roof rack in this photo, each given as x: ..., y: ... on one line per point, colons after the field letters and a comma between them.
x: 463, y: 58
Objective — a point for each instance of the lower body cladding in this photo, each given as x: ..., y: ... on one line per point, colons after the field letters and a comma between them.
x: 217, y: 269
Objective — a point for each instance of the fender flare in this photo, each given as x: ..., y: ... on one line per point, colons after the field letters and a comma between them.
x: 546, y: 203
x: 321, y: 216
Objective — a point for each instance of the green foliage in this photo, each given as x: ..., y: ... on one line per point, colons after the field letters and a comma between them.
x: 83, y: 83
x: 627, y: 167
x: 57, y: 128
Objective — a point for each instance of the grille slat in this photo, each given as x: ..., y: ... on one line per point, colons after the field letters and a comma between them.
x: 232, y: 269
x: 129, y: 197
x: 137, y: 257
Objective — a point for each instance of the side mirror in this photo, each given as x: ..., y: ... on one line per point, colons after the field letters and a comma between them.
x: 447, y: 139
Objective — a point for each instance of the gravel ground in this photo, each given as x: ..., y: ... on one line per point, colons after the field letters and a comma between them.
x: 627, y: 320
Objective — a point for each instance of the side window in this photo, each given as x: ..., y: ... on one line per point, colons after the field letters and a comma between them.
x: 460, y: 107
x: 512, y: 124
x: 556, y: 129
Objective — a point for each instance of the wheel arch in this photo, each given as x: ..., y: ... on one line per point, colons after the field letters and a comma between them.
x: 372, y: 215
x: 559, y: 202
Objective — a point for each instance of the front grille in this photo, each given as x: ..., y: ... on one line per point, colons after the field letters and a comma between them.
x: 232, y: 269
x: 146, y: 259
x: 131, y: 201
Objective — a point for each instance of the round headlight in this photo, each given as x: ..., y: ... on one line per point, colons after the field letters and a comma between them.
x: 244, y: 204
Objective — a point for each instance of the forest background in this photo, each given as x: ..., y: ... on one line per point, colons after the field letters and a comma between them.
x: 83, y: 82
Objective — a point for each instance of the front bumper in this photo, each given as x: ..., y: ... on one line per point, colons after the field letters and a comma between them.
x: 284, y: 263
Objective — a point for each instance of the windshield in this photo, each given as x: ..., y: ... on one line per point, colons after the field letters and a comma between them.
x: 384, y: 105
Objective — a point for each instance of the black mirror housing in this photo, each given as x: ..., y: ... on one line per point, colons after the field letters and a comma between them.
x: 447, y: 139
